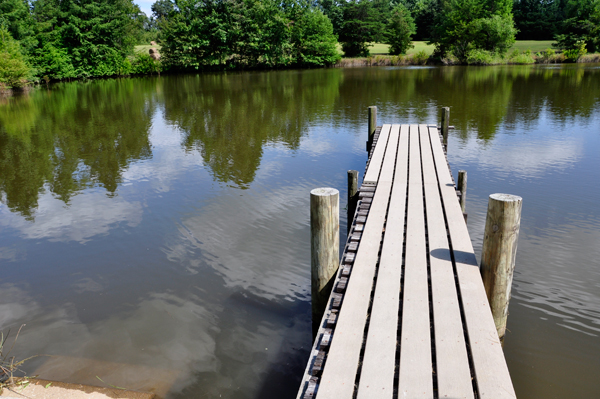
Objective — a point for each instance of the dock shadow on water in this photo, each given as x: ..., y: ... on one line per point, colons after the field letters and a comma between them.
x: 154, y: 232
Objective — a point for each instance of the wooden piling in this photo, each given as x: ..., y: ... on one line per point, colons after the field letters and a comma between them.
x: 352, y: 196
x: 462, y: 188
x: 445, y: 126
x: 498, y: 255
x: 325, y: 243
x: 372, y: 125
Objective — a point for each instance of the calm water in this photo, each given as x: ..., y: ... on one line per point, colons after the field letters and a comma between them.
x: 154, y: 232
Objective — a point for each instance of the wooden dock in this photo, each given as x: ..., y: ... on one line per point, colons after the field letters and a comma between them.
x: 408, y: 316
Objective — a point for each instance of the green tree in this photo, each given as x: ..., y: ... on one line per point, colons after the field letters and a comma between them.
x: 161, y: 9
x: 96, y: 34
x: 217, y: 34
x: 400, y: 28
x: 424, y: 13
x: 363, y: 23
x: 197, y: 34
x: 263, y: 38
x: 15, y: 15
x: 537, y: 19
x: 314, y: 43
x: 580, y: 30
x: 333, y: 9
x: 464, y: 26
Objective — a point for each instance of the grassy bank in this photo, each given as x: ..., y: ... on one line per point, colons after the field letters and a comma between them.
x: 523, y: 52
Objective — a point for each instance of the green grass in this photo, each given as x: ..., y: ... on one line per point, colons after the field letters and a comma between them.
x: 380, y: 48
x: 533, y: 45
x: 521, y: 45
x: 144, y: 48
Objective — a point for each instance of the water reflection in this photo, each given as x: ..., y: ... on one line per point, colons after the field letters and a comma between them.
x: 85, y: 217
x: 73, y: 137
x: 82, y: 135
x: 163, y: 335
x: 229, y: 118
x: 267, y: 222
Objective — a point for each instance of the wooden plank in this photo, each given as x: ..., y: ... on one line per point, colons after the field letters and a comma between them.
x: 372, y: 174
x: 416, y: 380
x: 379, y: 362
x: 491, y: 371
x: 452, y: 363
x: 337, y: 381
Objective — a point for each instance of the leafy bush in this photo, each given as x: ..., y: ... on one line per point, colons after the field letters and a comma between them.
x: 523, y: 59
x: 577, y: 51
x: 480, y: 57
x: 421, y: 57
x: 14, y: 70
x: 550, y: 56
x: 144, y: 64
x: 54, y: 62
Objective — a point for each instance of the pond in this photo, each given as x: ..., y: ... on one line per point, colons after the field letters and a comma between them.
x: 154, y: 232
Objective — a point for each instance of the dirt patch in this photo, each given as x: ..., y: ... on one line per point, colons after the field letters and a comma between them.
x: 44, y: 389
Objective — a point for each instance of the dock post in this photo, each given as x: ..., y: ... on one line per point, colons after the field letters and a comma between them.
x: 372, y: 125
x: 462, y: 188
x: 445, y: 126
x: 325, y: 247
x: 352, y: 196
x: 499, y: 252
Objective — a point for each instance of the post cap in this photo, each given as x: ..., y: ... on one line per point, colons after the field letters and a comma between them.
x: 324, y: 191
x: 506, y: 197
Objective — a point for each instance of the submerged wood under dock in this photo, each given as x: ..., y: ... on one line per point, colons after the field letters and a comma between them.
x: 408, y: 316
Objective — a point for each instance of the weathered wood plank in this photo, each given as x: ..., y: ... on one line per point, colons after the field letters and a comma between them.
x: 452, y: 363
x: 377, y: 373
x: 337, y: 381
x: 491, y: 372
x: 416, y: 380
x: 372, y: 174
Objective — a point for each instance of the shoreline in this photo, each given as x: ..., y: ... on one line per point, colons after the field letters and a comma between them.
x: 414, y: 59
x: 379, y: 60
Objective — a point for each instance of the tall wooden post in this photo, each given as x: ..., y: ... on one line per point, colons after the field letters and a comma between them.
x: 352, y: 196
x: 372, y: 125
x: 325, y: 246
x: 445, y: 125
x: 499, y: 252
x: 462, y: 187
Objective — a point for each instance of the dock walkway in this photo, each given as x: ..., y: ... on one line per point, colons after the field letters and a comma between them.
x: 408, y: 316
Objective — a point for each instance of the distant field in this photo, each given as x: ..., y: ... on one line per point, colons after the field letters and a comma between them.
x: 521, y: 45
x: 379, y: 48
x: 533, y: 45
x: 144, y: 48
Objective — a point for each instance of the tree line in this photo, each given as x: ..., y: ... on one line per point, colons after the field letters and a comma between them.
x: 43, y: 40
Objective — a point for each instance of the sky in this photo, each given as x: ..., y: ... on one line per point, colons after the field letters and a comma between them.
x: 145, y: 6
